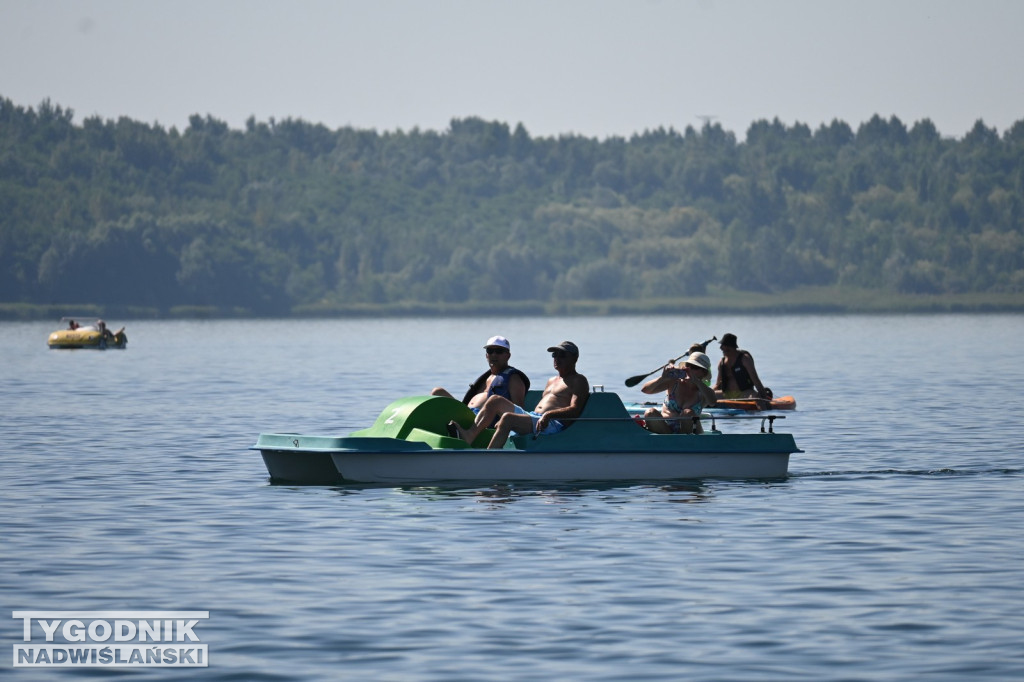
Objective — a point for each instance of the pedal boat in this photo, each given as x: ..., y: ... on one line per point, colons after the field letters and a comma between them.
x: 86, y: 337
x: 409, y: 444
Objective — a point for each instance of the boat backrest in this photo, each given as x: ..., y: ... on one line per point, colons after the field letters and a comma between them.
x: 604, y: 421
x: 599, y: 405
x: 604, y: 406
x: 531, y: 399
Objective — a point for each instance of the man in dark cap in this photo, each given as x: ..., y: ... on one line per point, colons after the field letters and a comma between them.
x: 563, y: 400
x: 737, y: 376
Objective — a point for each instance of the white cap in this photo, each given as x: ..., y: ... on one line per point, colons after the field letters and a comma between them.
x: 699, y: 360
x: 499, y: 342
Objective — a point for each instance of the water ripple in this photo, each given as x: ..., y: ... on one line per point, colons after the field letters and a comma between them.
x: 891, y: 551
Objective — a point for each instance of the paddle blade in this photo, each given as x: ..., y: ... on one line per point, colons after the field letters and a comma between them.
x: 633, y: 381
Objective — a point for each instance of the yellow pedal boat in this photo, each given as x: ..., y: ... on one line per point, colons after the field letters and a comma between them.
x: 87, y: 337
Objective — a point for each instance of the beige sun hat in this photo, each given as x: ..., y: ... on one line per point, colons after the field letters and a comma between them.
x: 699, y: 360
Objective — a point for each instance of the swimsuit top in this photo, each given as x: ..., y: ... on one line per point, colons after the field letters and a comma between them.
x: 672, y: 406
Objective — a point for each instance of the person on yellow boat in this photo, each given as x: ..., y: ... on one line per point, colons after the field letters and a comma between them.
x: 737, y: 376
x: 686, y: 395
x: 107, y: 334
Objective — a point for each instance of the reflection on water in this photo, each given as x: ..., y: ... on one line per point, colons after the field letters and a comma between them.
x: 507, y: 493
x: 910, y: 472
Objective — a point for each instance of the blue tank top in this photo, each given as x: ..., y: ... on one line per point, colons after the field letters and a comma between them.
x: 500, y: 385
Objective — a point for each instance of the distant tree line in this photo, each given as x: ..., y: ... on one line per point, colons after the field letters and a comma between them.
x: 288, y: 213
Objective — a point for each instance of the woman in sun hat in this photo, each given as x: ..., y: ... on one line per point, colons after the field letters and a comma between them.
x: 686, y: 395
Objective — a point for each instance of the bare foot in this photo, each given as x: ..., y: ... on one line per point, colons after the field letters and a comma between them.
x: 455, y: 431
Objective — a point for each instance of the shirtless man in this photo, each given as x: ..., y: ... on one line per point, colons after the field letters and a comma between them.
x: 686, y: 395
x: 737, y: 377
x: 500, y: 379
x: 562, y: 401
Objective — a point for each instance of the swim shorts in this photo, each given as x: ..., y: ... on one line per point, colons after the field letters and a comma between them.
x: 554, y: 426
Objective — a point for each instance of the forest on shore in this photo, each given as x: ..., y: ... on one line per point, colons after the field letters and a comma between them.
x: 290, y: 217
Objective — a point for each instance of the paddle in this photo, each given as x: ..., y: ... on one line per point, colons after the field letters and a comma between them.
x: 633, y: 381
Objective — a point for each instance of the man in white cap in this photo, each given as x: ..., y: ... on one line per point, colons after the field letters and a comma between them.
x: 686, y: 395
x: 564, y: 398
x: 500, y: 378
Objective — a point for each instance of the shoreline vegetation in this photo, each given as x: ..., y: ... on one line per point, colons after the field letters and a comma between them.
x: 806, y: 301
x: 289, y: 219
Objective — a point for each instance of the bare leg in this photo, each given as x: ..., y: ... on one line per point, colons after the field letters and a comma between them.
x: 520, y: 423
x: 686, y: 421
x: 495, y: 405
x: 655, y: 421
x: 441, y: 392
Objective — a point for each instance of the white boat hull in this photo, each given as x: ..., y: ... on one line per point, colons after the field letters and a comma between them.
x: 511, y: 465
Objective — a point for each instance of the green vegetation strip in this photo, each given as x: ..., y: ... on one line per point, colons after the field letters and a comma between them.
x: 817, y: 301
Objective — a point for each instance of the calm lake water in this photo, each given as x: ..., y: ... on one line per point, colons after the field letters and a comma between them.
x: 892, y: 552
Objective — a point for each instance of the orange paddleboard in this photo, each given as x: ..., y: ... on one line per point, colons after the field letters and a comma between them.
x: 784, y: 402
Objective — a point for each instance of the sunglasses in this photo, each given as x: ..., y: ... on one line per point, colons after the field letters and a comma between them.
x: 559, y: 354
x: 496, y: 351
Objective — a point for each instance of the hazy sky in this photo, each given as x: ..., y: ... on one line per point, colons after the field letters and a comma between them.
x: 591, y: 67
